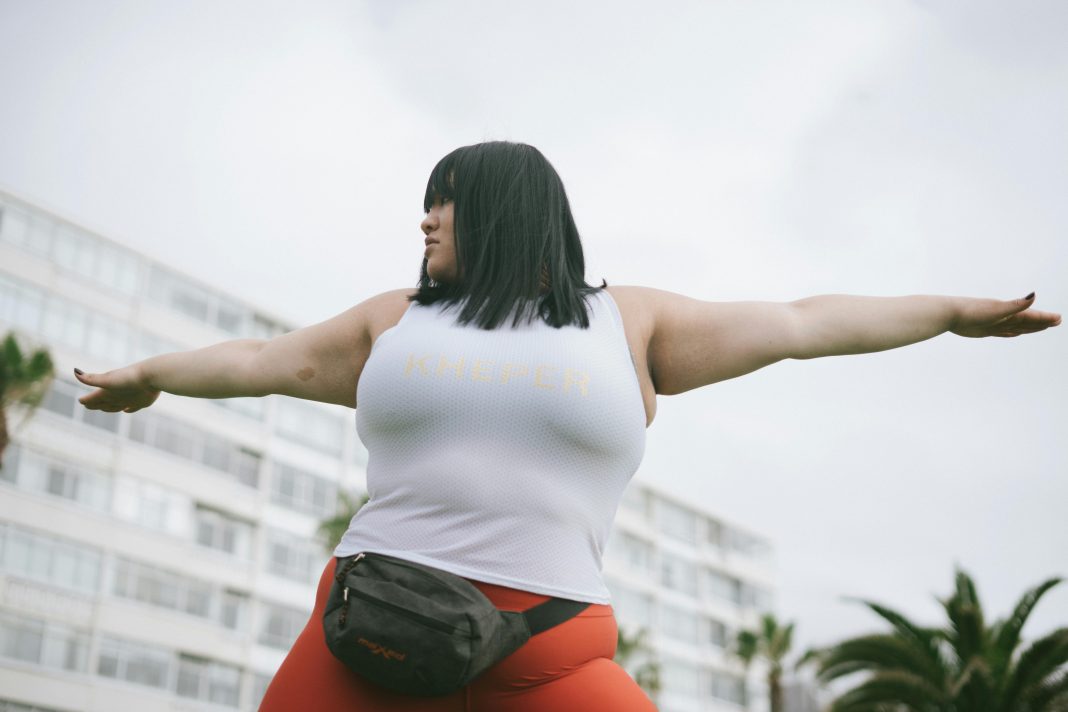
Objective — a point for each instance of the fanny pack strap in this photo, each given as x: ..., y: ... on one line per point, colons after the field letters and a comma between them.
x: 540, y: 618
x: 553, y: 612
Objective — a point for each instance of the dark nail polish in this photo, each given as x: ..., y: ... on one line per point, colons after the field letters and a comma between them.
x: 1030, y: 296
x: 79, y: 372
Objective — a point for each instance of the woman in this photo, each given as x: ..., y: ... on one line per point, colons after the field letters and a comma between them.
x: 501, y: 436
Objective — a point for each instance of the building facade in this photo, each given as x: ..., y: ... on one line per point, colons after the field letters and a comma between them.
x: 692, y: 581
x: 167, y: 559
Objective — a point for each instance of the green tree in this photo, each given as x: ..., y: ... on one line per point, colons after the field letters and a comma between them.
x: 24, y: 381
x: 647, y: 675
x: 963, y: 666
x: 331, y: 530
x: 772, y: 642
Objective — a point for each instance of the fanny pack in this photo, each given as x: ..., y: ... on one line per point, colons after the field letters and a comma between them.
x: 422, y: 631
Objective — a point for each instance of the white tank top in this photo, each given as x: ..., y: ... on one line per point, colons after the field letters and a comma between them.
x: 499, y: 455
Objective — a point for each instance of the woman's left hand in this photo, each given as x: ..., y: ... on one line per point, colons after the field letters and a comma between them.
x: 994, y: 317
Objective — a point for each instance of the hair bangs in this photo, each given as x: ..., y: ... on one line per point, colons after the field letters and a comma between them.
x: 442, y: 182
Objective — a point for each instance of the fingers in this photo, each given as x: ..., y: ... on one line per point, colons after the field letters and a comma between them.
x: 1014, y: 306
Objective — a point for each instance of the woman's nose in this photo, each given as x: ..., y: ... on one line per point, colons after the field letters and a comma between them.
x: 427, y: 225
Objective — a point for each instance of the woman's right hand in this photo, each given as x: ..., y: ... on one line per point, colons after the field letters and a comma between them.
x: 123, y: 389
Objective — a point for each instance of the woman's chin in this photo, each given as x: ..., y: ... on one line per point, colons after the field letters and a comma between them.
x: 440, y: 276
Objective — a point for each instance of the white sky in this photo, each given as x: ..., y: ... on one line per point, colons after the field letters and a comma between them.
x: 725, y: 150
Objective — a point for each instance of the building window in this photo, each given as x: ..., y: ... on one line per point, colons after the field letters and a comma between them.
x: 264, y: 328
x: 165, y: 589
x: 14, y: 226
x: 678, y: 574
x: 74, y: 250
x: 725, y: 686
x: 260, y: 682
x: 12, y: 706
x: 301, y: 490
x: 234, y: 610
x: 747, y: 545
x: 37, y: 473
x: 230, y: 317
x: 190, y: 443
x: 147, y: 345
x: 133, y: 662
x: 717, y: 632
x: 631, y: 605
x: 148, y: 505
x: 309, y: 425
x: 755, y: 597
x: 10, y: 463
x: 254, y: 408
x: 281, y: 626
x: 722, y: 586
x: 203, y: 679
x: 35, y: 641
x: 109, y: 339
x: 191, y: 300
x: 217, y: 530
x: 49, y: 559
x: 680, y: 677
x: 39, y: 235
x: 21, y: 305
x: 61, y: 399
x: 637, y: 552
x: 677, y: 522
x: 117, y: 270
x: 679, y: 624
x: 715, y: 533
x: 65, y: 322
x: 292, y: 557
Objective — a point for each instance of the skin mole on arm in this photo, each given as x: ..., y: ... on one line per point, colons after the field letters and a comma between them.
x: 305, y: 373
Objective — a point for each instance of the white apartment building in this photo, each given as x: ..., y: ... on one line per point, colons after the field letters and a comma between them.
x: 692, y: 581
x: 166, y: 560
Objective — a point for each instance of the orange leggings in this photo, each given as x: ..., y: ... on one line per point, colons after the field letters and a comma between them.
x: 568, y: 668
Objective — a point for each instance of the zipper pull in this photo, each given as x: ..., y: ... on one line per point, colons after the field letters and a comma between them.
x: 345, y: 595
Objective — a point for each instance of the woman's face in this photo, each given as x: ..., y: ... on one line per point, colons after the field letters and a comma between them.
x: 440, y: 241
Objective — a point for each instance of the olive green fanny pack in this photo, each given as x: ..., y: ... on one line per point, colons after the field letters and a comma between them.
x: 422, y: 631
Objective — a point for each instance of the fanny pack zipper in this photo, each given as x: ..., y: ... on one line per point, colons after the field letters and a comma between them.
x: 436, y: 624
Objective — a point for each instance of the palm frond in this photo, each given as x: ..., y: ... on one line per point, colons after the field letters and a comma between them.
x: 891, y: 688
x: 923, y: 639
x: 879, y: 652
x: 1035, y: 665
x: 1006, y: 634
x: 966, y: 618
x: 1051, y: 695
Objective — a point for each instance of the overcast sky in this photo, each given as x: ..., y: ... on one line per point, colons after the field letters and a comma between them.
x: 725, y: 150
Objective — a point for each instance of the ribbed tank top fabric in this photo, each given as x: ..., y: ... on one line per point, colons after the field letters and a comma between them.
x: 499, y: 455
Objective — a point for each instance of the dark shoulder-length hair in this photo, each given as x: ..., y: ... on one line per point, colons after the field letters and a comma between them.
x: 516, y: 241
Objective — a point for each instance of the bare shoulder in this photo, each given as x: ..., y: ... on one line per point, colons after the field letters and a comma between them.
x: 634, y: 302
x: 384, y: 310
x: 643, y: 307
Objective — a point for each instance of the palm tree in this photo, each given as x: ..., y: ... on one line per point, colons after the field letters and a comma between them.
x: 772, y: 642
x: 647, y: 675
x: 23, y: 382
x: 962, y: 667
x: 331, y: 530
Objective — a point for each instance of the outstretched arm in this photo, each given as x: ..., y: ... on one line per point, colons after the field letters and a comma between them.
x: 694, y: 343
x: 321, y: 362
